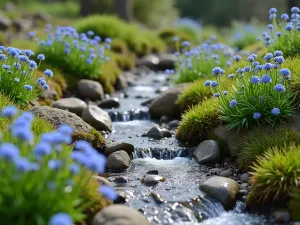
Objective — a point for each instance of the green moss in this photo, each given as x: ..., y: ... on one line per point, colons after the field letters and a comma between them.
x: 94, y: 137
x: 295, y: 204
x: 275, y: 175
x: 124, y: 61
x: 167, y: 35
x: 109, y: 77
x: 258, y: 141
x: 198, y: 121
x: 119, y: 46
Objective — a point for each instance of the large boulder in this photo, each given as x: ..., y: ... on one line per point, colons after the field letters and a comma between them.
x: 117, y: 146
x: 73, y: 105
x: 119, y: 215
x: 118, y: 161
x: 90, y: 89
x: 56, y: 117
x: 97, y: 118
x: 5, y: 22
x: 222, y: 189
x: 165, y: 103
x: 208, y: 152
x: 158, y: 133
x: 149, y: 61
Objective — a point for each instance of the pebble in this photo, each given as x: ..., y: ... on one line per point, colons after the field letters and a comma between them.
x: 244, y: 186
x: 153, y: 172
x: 151, y: 180
x: 245, y: 177
x: 122, y: 180
x: 226, y: 173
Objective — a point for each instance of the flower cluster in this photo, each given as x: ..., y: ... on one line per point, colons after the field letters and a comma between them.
x: 261, y: 95
x: 194, y: 63
x: 17, y: 75
x: 44, y: 174
x: 284, y: 32
x: 78, y: 54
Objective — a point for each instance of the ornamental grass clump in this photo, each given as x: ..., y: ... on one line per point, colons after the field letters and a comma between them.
x: 42, y: 181
x: 275, y: 175
x: 261, y: 94
x: 82, y: 55
x: 284, y: 32
x: 17, y: 75
x: 195, y: 63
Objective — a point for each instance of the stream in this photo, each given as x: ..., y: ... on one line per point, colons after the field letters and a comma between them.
x: 178, y: 200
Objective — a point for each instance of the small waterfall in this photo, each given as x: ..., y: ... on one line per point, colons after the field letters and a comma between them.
x: 124, y: 116
x: 164, y: 153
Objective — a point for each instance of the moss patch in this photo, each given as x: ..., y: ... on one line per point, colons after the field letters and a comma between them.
x: 94, y: 137
x: 198, y: 121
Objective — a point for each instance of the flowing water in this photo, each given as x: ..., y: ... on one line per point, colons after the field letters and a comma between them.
x: 178, y: 200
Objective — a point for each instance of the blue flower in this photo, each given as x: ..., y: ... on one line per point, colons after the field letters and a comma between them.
x: 268, y: 56
x: 250, y: 59
x: 267, y: 66
x: 247, y: 69
x: 266, y: 79
x: 231, y: 76
x: 74, y: 169
x: 9, y: 112
x: 3, y: 57
x: 270, y: 26
x: 267, y: 37
x: 89, y: 61
x: 108, y: 40
x: 240, y: 71
x: 275, y: 111
x: 96, y: 163
x: 6, y: 67
x: 279, y: 88
x: 22, y: 164
x: 41, y: 57
x: 28, y: 52
x: 285, y: 72
x: 255, y: 80
x: 32, y: 64
x: 61, y: 219
x: 65, y: 129
x: 256, y: 115
x: 280, y: 60
x: 289, y: 27
x: 295, y: 10
x: 216, y: 95
x: 225, y: 92
x: 55, y: 164
x: 42, y: 149
x: 186, y: 43
x: 278, y: 34
x: 23, y: 134
x: 284, y: 16
x: 207, y: 83
x: 17, y: 80
x: 67, y: 51
x: 237, y: 58
x: 17, y: 66
x: 272, y: 16
x: 216, y: 71
x: 28, y: 87
x: 9, y: 151
x: 175, y: 39
x: 108, y: 192
x: 255, y: 64
x: 214, y: 84
x: 31, y: 34
x: 48, y: 73
x: 254, y: 56
x: 233, y: 103
x: 97, y: 38
x: 46, y: 87
x: 278, y: 53
x: 90, y: 33
x: 272, y: 11
x: 23, y: 58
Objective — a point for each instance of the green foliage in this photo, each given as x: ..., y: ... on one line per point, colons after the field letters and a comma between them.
x: 193, y: 64
x: 17, y: 77
x: 119, y: 46
x: 111, y: 72
x: 258, y: 141
x: 258, y: 97
x: 94, y: 137
x: 295, y: 204
x: 167, y: 35
x: 275, y: 175
x: 198, y: 121
x: 139, y: 42
x: 82, y: 57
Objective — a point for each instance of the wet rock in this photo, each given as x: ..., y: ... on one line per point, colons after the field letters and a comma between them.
x: 165, y: 103
x: 158, y: 133
x: 73, y: 105
x: 208, y: 152
x: 157, y: 198
x: 90, y: 89
x: 173, y: 124
x: 118, y: 161
x: 121, y: 199
x: 117, y: 146
x: 164, y: 119
x: 245, y: 177
x: 57, y: 117
x: 119, y: 215
x: 151, y: 180
x: 21, y: 25
x: 243, y: 192
x: 215, y: 171
x: 153, y: 172
x: 148, y: 102
x: 166, y: 61
x: 244, y: 186
x: 41, y: 16
x: 121, y: 83
x: 226, y: 173
x: 149, y: 61
x: 121, y: 180
x: 102, y: 180
x: 5, y: 22
x: 97, y: 118
x: 281, y: 216
x: 223, y: 189
x: 110, y: 103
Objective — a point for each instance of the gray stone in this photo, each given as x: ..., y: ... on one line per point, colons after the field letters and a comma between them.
x: 73, y: 105
x: 215, y: 171
x: 117, y: 146
x: 122, y: 180
x: 244, y: 186
x: 57, y: 117
x: 151, y: 180
x: 208, y: 152
x: 153, y: 172
x: 158, y: 133
x: 157, y: 198
x: 164, y: 119
x: 90, y: 89
x: 102, y: 180
x: 173, y: 124
x: 245, y: 177
x: 226, y: 173
x: 118, y: 161
x: 109, y: 103
x: 165, y: 103
x: 119, y: 215
x: 22, y: 25
x: 41, y: 16
x: 281, y: 216
x: 97, y: 118
x: 121, y: 83
x: 166, y: 61
x: 223, y: 189
x: 150, y: 61
x: 5, y: 22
